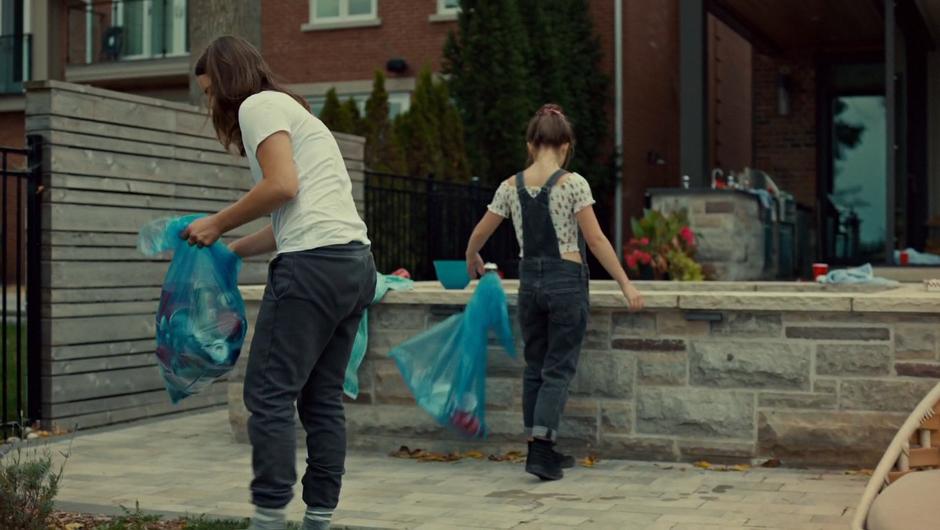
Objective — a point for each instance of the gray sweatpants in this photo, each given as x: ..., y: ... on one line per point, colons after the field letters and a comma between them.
x: 306, y: 326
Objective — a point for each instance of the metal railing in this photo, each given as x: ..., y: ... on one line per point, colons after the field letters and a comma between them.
x: 121, y: 30
x: 20, y: 267
x: 16, y: 55
x: 414, y: 221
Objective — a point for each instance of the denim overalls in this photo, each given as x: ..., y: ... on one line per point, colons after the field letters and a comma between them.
x: 553, y: 312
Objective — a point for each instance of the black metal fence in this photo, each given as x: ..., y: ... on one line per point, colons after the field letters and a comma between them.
x: 19, y: 270
x: 414, y: 221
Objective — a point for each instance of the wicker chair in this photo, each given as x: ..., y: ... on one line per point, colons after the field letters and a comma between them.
x: 916, y: 447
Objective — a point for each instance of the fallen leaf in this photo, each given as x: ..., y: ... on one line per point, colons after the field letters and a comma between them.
x: 741, y: 467
x: 437, y: 457
x: 511, y: 456
x: 773, y: 462
x: 703, y: 464
x: 589, y: 461
x: 476, y: 455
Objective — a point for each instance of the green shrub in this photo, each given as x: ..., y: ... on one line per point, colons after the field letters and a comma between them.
x: 29, y: 482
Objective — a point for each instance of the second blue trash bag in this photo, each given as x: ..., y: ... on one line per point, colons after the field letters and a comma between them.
x: 445, y: 367
x: 201, y: 322
x: 382, y: 285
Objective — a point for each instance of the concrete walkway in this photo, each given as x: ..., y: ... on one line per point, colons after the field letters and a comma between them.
x: 190, y: 465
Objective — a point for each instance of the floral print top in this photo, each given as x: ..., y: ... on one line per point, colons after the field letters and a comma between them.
x: 567, y: 198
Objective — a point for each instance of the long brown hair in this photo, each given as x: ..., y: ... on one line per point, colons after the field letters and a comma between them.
x: 550, y: 128
x: 236, y: 71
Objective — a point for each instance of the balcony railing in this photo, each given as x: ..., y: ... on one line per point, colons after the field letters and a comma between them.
x: 126, y: 30
x: 16, y: 56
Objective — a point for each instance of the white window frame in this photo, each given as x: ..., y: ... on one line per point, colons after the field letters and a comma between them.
x: 178, y: 19
x: 444, y: 13
x: 344, y: 20
x: 442, y: 8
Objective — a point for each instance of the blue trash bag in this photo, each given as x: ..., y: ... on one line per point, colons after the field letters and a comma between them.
x: 445, y: 367
x: 201, y: 321
x: 382, y: 285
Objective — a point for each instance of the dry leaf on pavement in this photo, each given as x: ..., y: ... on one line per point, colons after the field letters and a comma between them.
x: 511, y: 456
x: 589, y: 461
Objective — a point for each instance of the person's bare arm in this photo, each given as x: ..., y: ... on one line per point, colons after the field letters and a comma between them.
x: 481, y: 234
x: 604, y: 252
x: 279, y: 185
x: 261, y: 242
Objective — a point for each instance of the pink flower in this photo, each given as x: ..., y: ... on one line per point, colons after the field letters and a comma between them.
x: 645, y: 258
x: 687, y: 235
x: 631, y: 261
x: 645, y: 241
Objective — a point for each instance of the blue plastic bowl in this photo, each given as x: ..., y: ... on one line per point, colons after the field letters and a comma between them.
x: 452, y: 273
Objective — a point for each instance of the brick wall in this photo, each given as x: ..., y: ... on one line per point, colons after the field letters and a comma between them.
x: 350, y: 54
x: 12, y: 135
x: 651, y: 98
x: 12, y: 129
x: 785, y: 146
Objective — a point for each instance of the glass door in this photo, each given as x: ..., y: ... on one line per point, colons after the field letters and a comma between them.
x: 859, y: 178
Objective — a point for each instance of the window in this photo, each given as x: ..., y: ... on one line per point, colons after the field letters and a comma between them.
x: 398, y: 103
x: 448, y: 7
x: 15, y: 49
x: 446, y: 11
x: 151, y: 28
x: 335, y: 14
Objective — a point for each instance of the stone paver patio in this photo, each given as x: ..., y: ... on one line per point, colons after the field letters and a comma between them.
x: 190, y: 465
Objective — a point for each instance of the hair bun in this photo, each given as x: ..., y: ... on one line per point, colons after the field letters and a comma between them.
x: 550, y: 109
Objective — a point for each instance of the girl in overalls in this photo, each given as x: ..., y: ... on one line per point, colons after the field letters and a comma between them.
x: 551, y: 210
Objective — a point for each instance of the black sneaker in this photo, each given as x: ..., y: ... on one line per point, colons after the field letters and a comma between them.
x: 565, y: 461
x: 543, y: 462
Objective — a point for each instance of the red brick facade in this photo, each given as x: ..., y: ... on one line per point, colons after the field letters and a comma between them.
x: 650, y: 98
x: 785, y: 146
x: 12, y: 135
x: 351, y: 54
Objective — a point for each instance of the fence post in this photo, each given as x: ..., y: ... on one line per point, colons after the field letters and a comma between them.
x: 34, y: 283
x: 431, y: 217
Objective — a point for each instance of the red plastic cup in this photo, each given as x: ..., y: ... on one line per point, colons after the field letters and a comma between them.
x: 905, y: 258
x: 820, y: 269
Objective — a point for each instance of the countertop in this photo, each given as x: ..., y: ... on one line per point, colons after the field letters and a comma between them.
x: 705, y: 296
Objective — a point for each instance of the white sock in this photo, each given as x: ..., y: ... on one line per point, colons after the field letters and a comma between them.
x: 317, y: 518
x: 269, y: 519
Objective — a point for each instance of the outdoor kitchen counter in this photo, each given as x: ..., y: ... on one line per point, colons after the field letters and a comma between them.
x: 727, y: 296
x: 809, y: 374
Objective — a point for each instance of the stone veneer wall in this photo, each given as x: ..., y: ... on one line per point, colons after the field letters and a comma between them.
x: 806, y: 387
x: 730, y: 231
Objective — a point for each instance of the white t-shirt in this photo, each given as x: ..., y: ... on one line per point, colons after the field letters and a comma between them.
x: 324, y: 212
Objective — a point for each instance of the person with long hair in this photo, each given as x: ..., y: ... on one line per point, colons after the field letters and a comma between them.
x: 552, y: 211
x: 318, y: 285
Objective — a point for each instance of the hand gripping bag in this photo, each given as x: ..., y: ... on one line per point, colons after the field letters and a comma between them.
x: 201, y: 322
